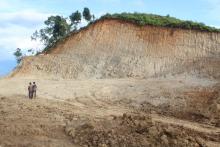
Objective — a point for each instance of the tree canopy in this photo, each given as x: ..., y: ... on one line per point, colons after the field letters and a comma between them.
x: 56, y: 28
x: 86, y: 14
x: 75, y: 19
x: 18, y: 55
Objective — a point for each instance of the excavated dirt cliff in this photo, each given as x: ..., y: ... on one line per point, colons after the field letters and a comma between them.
x: 118, y: 49
x: 139, y: 86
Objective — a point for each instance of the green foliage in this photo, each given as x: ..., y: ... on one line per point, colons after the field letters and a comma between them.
x: 86, y: 14
x: 75, y: 17
x: 56, y: 28
x: 18, y: 55
x: 162, y: 21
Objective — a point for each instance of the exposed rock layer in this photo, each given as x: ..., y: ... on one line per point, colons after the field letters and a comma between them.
x: 117, y: 49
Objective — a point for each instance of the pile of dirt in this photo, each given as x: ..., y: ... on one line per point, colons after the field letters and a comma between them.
x: 130, y: 130
x: 199, y: 105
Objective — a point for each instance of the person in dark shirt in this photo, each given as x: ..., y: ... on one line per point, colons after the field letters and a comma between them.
x: 34, y: 89
x: 30, y: 91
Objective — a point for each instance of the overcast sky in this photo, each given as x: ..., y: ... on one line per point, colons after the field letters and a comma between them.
x: 20, y: 18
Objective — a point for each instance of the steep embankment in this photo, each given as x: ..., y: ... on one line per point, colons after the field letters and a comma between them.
x: 133, y: 111
x: 118, y: 49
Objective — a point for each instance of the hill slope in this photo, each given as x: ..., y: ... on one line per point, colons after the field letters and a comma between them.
x: 118, y: 49
x: 119, y: 102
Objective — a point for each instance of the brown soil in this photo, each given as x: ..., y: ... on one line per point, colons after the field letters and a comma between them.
x: 100, y: 113
x: 132, y: 131
x: 115, y: 84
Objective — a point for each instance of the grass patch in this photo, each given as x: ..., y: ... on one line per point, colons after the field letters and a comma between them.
x: 161, y: 21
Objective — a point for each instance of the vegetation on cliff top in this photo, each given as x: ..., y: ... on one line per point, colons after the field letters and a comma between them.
x: 57, y: 30
x: 143, y: 19
x: 162, y: 21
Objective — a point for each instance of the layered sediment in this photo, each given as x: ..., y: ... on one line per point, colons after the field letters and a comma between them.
x: 118, y: 49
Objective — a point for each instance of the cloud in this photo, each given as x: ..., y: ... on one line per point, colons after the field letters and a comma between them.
x: 16, y: 29
x: 4, y: 4
x: 27, y: 18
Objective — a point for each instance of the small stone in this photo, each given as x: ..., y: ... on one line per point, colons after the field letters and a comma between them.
x: 153, y: 131
x: 201, y: 142
x: 102, y: 145
x: 164, y: 139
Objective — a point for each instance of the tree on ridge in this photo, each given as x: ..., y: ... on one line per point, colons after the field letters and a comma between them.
x: 75, y: 19
x: 86, y: 14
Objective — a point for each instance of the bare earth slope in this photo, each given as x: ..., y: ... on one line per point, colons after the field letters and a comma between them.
x: 116, y: 49
x: 117, y: 84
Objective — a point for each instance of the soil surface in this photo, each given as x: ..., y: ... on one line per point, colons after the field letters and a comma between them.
x: 110, y: 113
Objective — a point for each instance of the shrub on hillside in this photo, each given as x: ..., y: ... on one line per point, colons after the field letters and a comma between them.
x: 162, y: 21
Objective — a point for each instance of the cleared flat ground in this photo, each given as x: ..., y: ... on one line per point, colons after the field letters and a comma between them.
x: 42, y: 121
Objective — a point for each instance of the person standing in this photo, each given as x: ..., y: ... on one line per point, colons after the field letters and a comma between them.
x: 34, y: 90
x: 30, y: 91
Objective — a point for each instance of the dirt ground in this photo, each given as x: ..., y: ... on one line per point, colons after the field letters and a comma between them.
x: 110, y: 113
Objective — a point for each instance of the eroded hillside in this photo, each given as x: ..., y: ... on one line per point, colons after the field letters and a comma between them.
x: 119, y: 49
x: 139, y: 86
